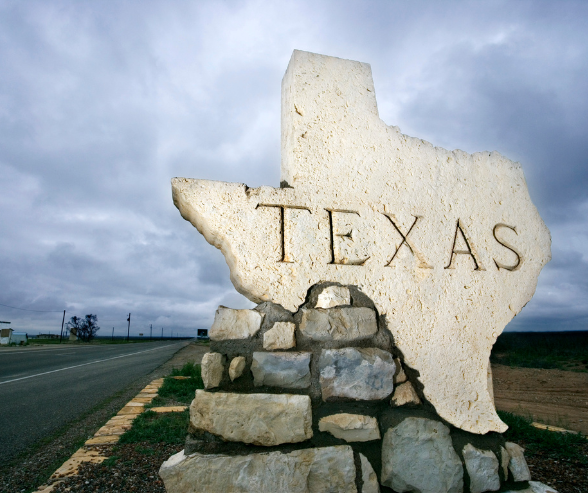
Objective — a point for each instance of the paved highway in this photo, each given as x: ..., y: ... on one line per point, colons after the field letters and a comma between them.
x: 42, y: 388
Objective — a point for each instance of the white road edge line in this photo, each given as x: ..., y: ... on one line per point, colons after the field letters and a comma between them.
x: 85, y: 364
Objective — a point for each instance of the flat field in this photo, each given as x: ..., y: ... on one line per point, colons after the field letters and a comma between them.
x: 543, y: 376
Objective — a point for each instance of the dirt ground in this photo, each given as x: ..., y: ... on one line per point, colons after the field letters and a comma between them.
x: 553, y: 397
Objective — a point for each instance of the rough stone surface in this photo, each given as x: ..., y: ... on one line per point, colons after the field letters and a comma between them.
x: 368, y: 476
x: 288, y: 370
x: 356, y: 373
x: 236, y: 367
x: 447, y: 244
x: 333, y: 296
x: 405, y: 394
x: 315, y: 470
x: 351, y: 427
x: 400, y: 376
x: 260, y: 419
x: 417, y: 455
x: 280, y: 336
x: 338, y: 324
x: 212, y: 369
x: 517, y: 463
x: 538, y: 487
x: 482, y: 467
x: 504, y: 460
x: 235, y: 324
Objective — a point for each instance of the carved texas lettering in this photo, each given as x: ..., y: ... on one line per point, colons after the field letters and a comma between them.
x: 469, y: 252
x: 334, y: 257
x: 337, y: 259
x: 509, y: 247
x: 284, y: 256
x: 422, y: 263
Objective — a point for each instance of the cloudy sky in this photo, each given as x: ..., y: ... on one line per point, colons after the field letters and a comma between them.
x: 102, y: 102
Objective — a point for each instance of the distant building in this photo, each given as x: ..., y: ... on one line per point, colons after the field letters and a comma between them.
x: 5, y: 335
x: 48, y: 336
x: 8, y: 336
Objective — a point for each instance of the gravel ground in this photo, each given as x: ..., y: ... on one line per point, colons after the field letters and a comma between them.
x: 566, y: 476
x: 133, y: 467
x: 33, y: 468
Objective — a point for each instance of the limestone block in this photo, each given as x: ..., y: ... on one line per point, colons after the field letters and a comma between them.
x: 417, y: 455
x: 260, y: 419
x: 235, y: 324
x: 287, y: 370
x: 482, y: 467
x: 280, y: 336
x: 314, y: 470
x: 368, y: 476
x: 447, y: 244
x: 338, y: 324
x: 504, y: 460
x: 356, y: 373
x: 236, y: 367
x: 405, y: 394
x: 517, y: 463
x: 212, y: 367
x: 400, y: 376
x: 333, y: 296
x: 538, y: 487
x: 351, y: 427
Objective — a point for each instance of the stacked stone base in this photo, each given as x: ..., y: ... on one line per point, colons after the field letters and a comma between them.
x: 320, y: 401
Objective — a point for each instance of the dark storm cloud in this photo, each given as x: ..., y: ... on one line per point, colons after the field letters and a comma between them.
x: 102, y: 103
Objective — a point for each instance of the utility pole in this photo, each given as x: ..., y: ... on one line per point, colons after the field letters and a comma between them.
x: 62, y: 322
x: 113, y: 333
x: 129, y: 327
x: 150, y: 331
x: 162, y: 333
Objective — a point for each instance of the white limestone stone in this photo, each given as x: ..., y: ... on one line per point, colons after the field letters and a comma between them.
x: 412, y: 210
x: 212, y: 368
x: 333, y: 296
x: 287, y: 370
x: 236, y: 367
x: 482, y: 467
x: 504, y: 460
x: 538, y: 487
x: 351, y: 427
x: 260, y: 419
x: 356, y: 373
x: 535, y: 487
x: 405, y: 394
x: 517, y: 463
x: 368, y: 476
x: 400, y: 376
x: 235, y: 324
x: 314, y: 470
x: 338, y: 324
x: 417, y: 455
x: 280, y: 336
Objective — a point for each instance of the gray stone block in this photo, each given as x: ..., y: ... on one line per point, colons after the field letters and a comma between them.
x: 338, y: 324
x: 356, y: 373
x: 417, y: 455
x: 287, y: 370
x: 482, y: 467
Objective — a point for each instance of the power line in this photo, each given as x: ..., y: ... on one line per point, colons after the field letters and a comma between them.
x: 29, y: 310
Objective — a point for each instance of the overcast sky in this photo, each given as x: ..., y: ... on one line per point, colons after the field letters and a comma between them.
x: 101, y: 103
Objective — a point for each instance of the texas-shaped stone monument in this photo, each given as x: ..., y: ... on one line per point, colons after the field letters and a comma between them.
x: 447, y: 244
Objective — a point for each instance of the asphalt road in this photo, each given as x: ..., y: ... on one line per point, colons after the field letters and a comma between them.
x: 43, y: 388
